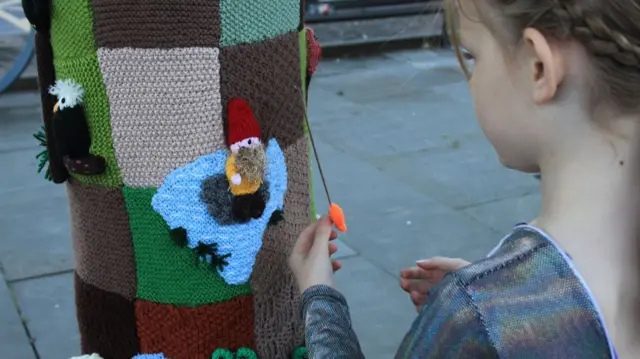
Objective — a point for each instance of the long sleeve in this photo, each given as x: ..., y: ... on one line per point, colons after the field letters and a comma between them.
x: 448, y: 326
x: 327, y: 325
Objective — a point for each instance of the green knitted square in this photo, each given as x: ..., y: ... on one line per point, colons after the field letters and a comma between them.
x: 86, y: 71
x: 72, y: 29
x: 167, y: 273
x: 302, y: 43
x: 246, y: 22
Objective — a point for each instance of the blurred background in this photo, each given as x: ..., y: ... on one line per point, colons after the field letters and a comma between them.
x: 394, y: 125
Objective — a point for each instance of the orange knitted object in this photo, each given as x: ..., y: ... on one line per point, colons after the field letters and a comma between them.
x: 337, y: 217
x: 195, y: 332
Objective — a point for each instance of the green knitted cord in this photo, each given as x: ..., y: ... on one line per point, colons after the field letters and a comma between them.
x: 246, y: 22
x: 75, y: 58
x: 167, y: 273
x: 302, y: 37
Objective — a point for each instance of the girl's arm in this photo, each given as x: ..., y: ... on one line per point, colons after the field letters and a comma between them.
x: 327, y: 325
x: 448, y: 326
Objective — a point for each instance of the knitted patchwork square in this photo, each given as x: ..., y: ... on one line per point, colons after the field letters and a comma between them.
x: 107, y: 322
x: 86, y: 72
x: 268, y: 76
x: 194, y: 333
x: 254, y: 21
x: 72, y: 29
x: 101, y: 238
x: 166, y: 272
x: 156, y: 23
x: 165, y: 109
x: 276, y: 303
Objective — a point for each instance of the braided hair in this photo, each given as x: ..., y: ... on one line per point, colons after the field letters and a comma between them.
x: 608, y: 30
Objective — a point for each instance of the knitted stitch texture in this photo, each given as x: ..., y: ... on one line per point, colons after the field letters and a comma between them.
x: 169, y: 68
x: 156, y: 23
x: 253, y: 21
x: 178, y: 201
x: 107, y: 322
x: 101, y: 238
x: 75, y: 58
x: 267, y: 75
x: 194, y: 333
x: 165, y: 109
x: 278, y: 328
x: 166, y: 272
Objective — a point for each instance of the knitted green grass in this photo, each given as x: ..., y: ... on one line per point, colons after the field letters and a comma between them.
x: 166, y: 272
x: 43, y: 156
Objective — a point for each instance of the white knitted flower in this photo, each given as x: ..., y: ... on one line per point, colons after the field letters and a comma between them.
x: 88, y: 356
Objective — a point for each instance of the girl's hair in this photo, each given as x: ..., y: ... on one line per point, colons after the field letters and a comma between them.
x: 609, y: 30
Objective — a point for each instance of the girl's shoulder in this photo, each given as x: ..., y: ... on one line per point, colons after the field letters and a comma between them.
x: 528, y: 296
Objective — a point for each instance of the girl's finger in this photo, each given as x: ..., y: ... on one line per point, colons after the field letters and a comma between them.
x: 418, y: 298
x: 414, y: 273
x: 321, y: 237
x: 442, y: 263
x: 333, y: 248
x: 333, y: 235
x: 336, y: 265
x: 305, y: 240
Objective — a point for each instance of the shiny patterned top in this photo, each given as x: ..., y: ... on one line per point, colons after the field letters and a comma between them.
x: 525, y: 300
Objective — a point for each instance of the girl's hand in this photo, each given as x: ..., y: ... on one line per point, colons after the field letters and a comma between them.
x: 310, y: 260
x: 418, y: 280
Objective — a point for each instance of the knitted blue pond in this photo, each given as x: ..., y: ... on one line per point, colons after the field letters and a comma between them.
x: 178, y: 201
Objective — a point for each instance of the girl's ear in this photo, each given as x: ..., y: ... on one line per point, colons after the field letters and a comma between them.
x: 547, y: 66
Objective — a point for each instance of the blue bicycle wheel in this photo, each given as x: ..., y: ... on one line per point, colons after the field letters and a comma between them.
x: 19, y: 64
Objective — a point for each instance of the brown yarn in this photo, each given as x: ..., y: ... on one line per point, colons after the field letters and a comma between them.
x: 156, y: 23
x: 277, y: 327
x: 267, y: 75
x: 101, y: 238
x: 106, y: 321
x: 250, y: 163
x: 195, y: 332
x: 46, y: 78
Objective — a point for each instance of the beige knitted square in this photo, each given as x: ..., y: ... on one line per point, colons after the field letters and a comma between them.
x: 166, y: 109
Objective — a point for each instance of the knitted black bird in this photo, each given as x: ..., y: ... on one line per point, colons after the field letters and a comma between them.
x: 71, y: 131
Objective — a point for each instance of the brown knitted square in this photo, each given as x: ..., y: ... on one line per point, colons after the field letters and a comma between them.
x: 195, y: 332
x: 101, y: 238
x: 267, y: 74
x: 276, y: 299
x: 107, y: 322
x: 156, y: 23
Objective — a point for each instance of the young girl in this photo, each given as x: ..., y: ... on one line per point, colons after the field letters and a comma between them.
x: 556, y: 87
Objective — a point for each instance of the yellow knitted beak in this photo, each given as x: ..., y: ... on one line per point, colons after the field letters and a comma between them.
x: 56, y: 107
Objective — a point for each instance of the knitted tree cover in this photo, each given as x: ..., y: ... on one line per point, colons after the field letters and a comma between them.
x: 158, y: 76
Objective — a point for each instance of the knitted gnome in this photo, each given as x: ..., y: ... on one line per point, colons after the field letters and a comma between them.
x: 216, y: 93
x: 245, y: 166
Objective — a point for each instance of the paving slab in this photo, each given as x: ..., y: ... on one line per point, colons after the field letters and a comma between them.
x: 14, y: 340
x: 49, y: 310
x: 381, y: 312
x: 36, y: 237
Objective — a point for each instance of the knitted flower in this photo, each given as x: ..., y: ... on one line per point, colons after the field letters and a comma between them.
x: 179, y: 202
x: 88, y: 356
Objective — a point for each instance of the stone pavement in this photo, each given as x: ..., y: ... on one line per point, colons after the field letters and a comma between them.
x: 402, y: 154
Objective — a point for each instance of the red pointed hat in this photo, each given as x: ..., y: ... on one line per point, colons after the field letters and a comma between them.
x: 242, y: 123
